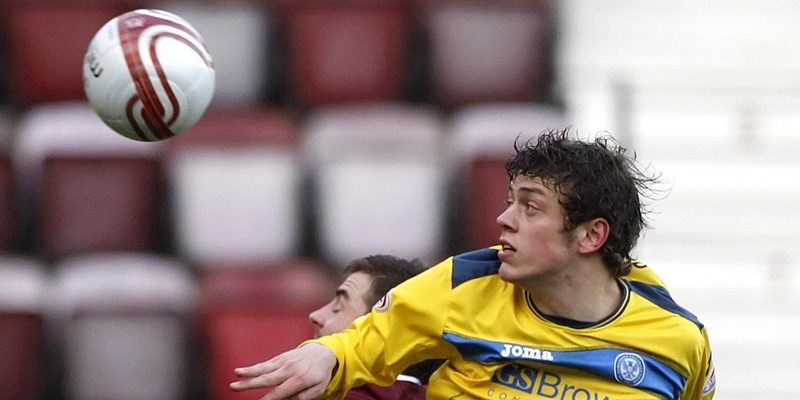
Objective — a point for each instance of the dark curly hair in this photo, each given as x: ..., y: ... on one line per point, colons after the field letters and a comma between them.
x: 595, y: 179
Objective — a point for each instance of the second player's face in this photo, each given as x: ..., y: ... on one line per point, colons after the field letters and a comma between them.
x: 346, y: 306
x: 535, y: 244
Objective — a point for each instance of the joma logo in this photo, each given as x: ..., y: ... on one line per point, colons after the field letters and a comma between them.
x: 529, y: 353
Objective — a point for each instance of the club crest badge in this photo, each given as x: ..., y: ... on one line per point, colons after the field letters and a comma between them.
x: 629, y: 369
x: 711, y: 382
x: 383, y: 303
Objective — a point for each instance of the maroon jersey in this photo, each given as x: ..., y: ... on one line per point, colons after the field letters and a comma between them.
x: 400, y: 390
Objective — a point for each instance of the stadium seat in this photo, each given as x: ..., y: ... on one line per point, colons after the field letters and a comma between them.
x: 90, y: 204
x: 123, y: 321
x: 377, y: 175
x: 488, y: 50
x: 250, y: 313
x: 345, y: 51
x: 238, y: 37
x: 94, y: 190
x: 7, y: 205
x: 23, y: 284
x: 47, y: 44
x: 235, y: 187
x: 481, y: 139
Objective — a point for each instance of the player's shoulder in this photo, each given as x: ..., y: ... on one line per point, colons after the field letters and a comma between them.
x: 644, y: 281
x: 474, y: 264
x: 664, y: 308
x: 641, y: 272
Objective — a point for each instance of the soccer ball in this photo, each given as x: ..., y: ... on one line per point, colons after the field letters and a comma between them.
x: 148, y: 75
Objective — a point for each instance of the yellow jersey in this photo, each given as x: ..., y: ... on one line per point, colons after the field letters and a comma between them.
x: 499, y: 346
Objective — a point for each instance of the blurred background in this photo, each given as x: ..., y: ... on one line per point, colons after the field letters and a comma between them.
x: 342, y: 128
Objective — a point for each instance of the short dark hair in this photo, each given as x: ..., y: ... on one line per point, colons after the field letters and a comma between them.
x: 594, y: 179
x: 385, y: 271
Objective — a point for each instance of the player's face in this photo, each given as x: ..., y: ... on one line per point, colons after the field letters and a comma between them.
x: 535, y: 244
x: 347, y: 305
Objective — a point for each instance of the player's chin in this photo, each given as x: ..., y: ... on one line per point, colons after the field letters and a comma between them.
x: 507, y: 272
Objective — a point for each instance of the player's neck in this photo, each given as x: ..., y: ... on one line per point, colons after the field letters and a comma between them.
x: 583, y: 295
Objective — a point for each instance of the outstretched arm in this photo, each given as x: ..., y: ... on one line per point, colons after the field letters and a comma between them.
x: 301, y: 373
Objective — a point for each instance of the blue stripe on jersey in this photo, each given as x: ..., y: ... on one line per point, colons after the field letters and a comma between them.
x: 660, y: 297
x: 474, y: 264
x: 624, y: 366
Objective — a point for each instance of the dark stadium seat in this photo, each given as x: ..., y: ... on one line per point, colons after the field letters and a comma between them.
x: 484, y: 197
x: 22, y: 338
x: 47, y: 44
x: 344, y: 51
x: 235, y: 187
x: 487, y: 50
x: 250, y: 313
x: 93, y: 189
x: 99, y: 203
x: 123, y: 322
x: 7, y: 199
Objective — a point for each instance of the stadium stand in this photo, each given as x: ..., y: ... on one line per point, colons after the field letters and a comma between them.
x: 377, y: 176
x: 291, y: 108
x: 87, y: 187
x: 47, y: 44
x: 123, y: 321
x: 725, y: 211
x: 234, y: 183
x: 345, y: 51
x: 250, y: 312
x: 23, y: 287
x: 467, y: 64
x: 7, y: 203
x: 481, y: 139
x: 240, y: 38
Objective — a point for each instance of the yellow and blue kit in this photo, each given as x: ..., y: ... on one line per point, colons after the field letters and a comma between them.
x: 499, y: 346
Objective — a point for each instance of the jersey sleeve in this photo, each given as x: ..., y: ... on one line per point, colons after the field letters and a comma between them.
x: 702, y: 385
x: 403, y: 328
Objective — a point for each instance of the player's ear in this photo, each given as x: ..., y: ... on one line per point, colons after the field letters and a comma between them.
x: 592, y: 235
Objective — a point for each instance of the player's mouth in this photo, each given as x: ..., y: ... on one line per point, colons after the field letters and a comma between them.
x: 506, y: 251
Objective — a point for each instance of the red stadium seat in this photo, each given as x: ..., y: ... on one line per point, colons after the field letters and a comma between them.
x: 90, y: 204
x: 486, y: 192
x: 47, y: 46
x: 235, y: 187
x: 252, y: 313
x: 7, y: 199
x: 93, y: 189
x: 345, y: 51
x: 488, y: 50
x: 22, y: 367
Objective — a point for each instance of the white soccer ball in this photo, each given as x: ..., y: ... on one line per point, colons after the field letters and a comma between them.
x: 148, y: 75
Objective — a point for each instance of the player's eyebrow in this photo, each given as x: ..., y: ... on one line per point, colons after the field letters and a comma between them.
x: 340, y: 292
x: 532, y: 190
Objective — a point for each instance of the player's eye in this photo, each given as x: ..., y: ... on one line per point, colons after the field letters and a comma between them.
x: 336, y: 307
